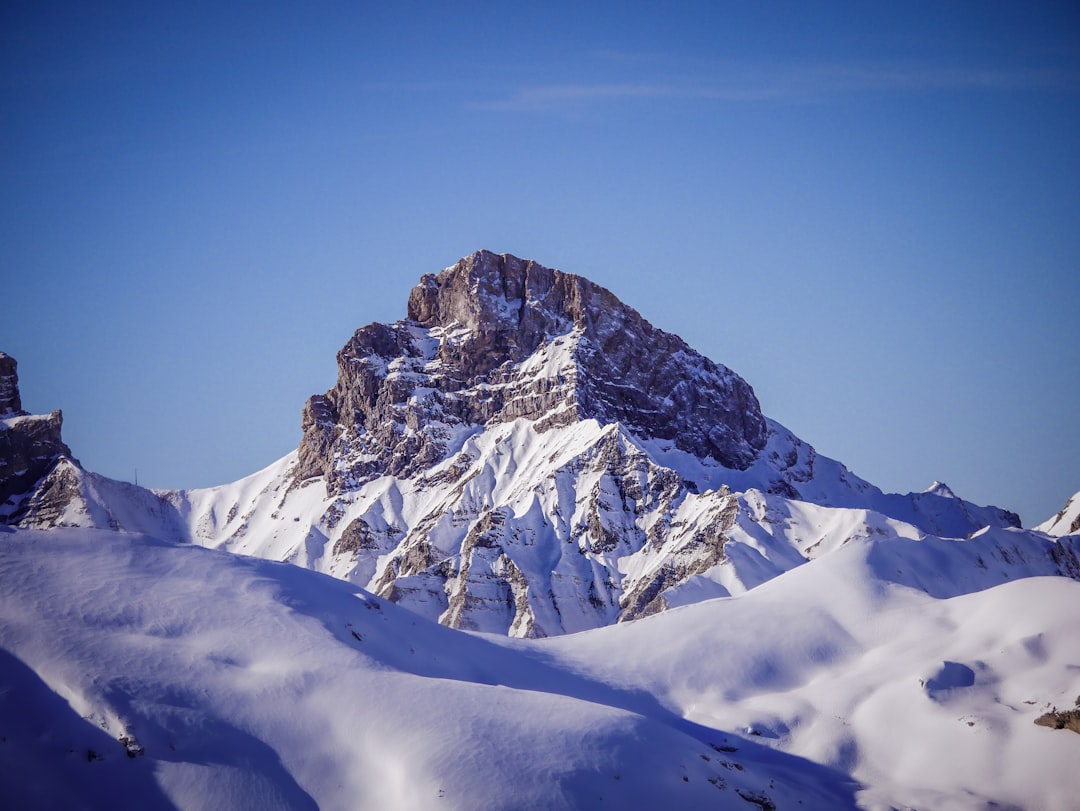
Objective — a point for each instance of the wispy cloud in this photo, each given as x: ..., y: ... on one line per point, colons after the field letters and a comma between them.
x: 793, y: 84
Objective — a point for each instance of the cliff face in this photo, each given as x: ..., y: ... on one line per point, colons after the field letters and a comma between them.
x: 10, y: 400
x: 495, y: 338
x: 30, y: 445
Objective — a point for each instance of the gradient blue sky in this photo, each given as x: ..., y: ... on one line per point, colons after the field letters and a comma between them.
x: 871, y: 211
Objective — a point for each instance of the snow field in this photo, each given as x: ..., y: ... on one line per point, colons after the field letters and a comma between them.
x: 831, y: 663
x: 264, y: 685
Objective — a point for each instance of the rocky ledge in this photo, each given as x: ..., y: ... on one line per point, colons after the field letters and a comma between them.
x: 494, y: 338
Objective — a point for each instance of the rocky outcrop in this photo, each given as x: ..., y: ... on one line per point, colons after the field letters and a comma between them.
x: 495, y: 338
x: 1061, y: 719
x: 49, y: 503
x: 10, y: 401
x: 72, y: 497
x: 30, y: 445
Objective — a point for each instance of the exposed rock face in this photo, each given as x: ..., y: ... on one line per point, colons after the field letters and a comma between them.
x: 494, y: 338
x: 10, y: 401
x: 51, y: 499
x: 30, y: 445
x: 1061, y: 719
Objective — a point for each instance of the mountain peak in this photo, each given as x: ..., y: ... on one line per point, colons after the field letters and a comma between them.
x: 495, y: 338
x: 940, y: 489
x: 489, y: 292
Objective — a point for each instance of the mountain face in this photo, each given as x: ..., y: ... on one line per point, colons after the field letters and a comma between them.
x: 30, y: 445
x: 10, y: 398
x: 495, y: 338
x: 524, y: 454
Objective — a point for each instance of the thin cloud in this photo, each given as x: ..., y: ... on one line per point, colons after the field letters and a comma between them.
x: 793, y: 85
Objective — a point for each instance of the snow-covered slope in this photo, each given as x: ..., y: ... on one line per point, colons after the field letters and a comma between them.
x: 140, y: 673
x: 926, y: 696
x: 1066, y: 522
x: 524, y: 455
x: 538, y: 533
x: 136, y: 673
x: 72, y: 497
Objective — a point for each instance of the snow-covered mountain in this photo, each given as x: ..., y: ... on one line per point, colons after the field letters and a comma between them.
x: 231, y: 682
x: 525, y: 455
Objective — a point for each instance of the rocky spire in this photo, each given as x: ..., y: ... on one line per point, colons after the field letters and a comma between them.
x: 10, y: 401
x: 30, y: 447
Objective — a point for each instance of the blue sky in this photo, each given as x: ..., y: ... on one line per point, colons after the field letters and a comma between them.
x: 871, y: 211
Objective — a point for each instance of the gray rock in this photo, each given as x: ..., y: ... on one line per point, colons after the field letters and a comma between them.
x: 10, y: 401
x: 459, y: 358
x: 30, y: 445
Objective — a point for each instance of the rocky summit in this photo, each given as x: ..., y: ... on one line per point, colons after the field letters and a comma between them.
x: 496, y: 338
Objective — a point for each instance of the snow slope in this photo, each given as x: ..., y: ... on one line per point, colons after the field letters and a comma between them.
x: 238, y: 682
x: 1066, y: 522
x: 538, y: 533
x: 927, y: 701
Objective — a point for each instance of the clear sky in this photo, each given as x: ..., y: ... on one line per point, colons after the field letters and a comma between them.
x: 871, y: 211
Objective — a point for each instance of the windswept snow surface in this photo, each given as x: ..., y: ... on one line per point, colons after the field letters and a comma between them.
x: 242, y: 683
x: 928, y: 701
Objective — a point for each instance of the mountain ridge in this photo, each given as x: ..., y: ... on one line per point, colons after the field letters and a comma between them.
x: 482, y: 463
